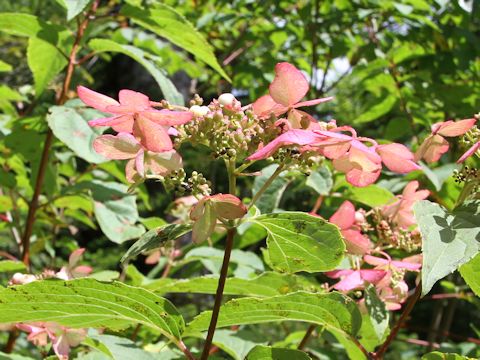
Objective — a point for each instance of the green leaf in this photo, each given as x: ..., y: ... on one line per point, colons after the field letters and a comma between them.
x: 377, y: 311
x: 69, y: 124
x: 320, y: 181
x: 118, y: 348
x: 45, y: 61
x: 4, y: 66
x: 270, y: 199
x: 74, y: 7
x: 471, y: 274
x: 265, y: 285
x: 116, y: 211
x: 4, y: 356
x: 89, y: 303
x: 349, y: 345
x: 449, y: 239
x: 437, y: 355
x: 247, y: 263
x: 371, y: 195
x: 381, y: 108
x: 298, y: 241
x: 261, y: 352
x: 169, y: 24
x: 30, y: 26
x: 235, y: 343
x: 332, y: 310
x: 155, y: 238
x: 169, y: 90
x: 11, y: 266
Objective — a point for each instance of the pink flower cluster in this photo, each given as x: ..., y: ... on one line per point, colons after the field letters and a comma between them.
x: 143, y: 132
x: 382, y: 272
x: 62, y: 338
x: 361, y: 164
x: 435, y: 145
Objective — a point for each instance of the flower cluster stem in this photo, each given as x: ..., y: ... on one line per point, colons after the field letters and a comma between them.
x: 265, y: 186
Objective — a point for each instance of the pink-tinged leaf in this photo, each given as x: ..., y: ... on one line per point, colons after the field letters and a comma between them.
x: 131, y: 173
x: 163, y: 163
x: 228, y: 206
x: 95, y: 99
x: 289, y: 85
x: 385, y: 263
x: 363, y: 158
x: 152, y: 136
x: 344, y: 217
x: 205, y: 225
x: 140, y: 163
x: 81, y: 271
x: 313, y: 102
x: 453, y: 128
x: 167, y: 117
x: 119, y: 147
x: 469, y: 152
x: 357, y: 243
x: 133, y: 98
x: 197, y: 211
x: 292, y: 137
x: 373, y: 276
x: 397, y: 158
x: 265, y: 106
x: 350, y: 282
x: 432, y: 149
x: 75, y: 257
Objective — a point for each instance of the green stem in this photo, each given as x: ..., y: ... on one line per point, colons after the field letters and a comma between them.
x: 265, y: 186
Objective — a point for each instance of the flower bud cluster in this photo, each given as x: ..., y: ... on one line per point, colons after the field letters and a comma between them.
x: 226, y: 129
x: 178, y: 182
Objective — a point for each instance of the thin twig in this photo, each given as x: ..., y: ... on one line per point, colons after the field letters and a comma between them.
x: 219, y: 293
x: 306, y: 337
x: 393, y: 334
x: 265, y: 186
x: 33, y: 206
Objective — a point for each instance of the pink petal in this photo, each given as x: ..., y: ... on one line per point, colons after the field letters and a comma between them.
x: 469, y: 152
x: 336, y: 274
x: 205, y: 225
x: 397, y: 158
x: 139, y: 163
x: 432, y: 149
x: 356, y: 242
x: 152, y: 136
x: 406, y: 265
x: 95, y: 99
x: 292, y: 137
x: 121, y: 123
x: 119, y: 147
x: 167, y: 117
x: 61, y: 347
x: 265, y: 106
x: 131, y: 173
x: 373, y: 276
x: 133, y: 98
x: 313, y: 102
x: 375, y: 260
x: 81, y: 271
x: 344, y: 217
x: 454, y: 128
x: 289, y: 85
x: 350, y: 282
x: 361, y: 178
x: 163, y: 163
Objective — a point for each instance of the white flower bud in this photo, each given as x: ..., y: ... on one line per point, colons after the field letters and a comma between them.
x: 226, y: 99
x: 199, y: 110
x: 20, y: 279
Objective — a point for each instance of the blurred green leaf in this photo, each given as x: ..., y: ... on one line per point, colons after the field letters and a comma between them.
x: 320, y: 180
x: 168, y: 23
x: 471, y: 274
x: 261, y: 352
x: 169, y: 90
x: 270, y: 199
x: 74, y: 7
x: 11, y: 266
x: 68, y: 125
